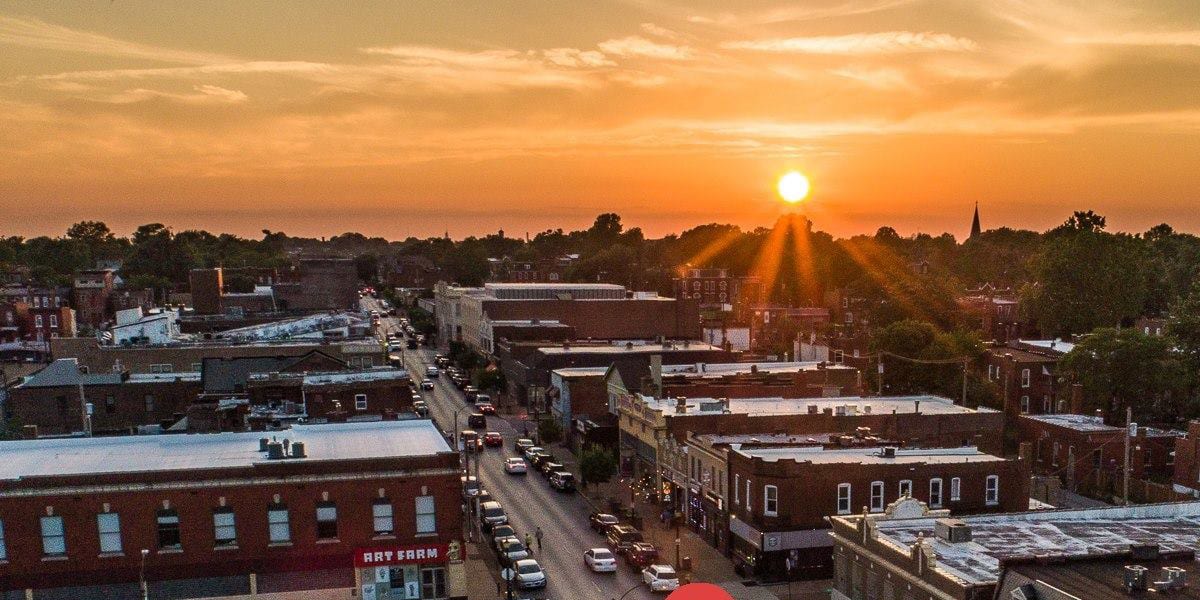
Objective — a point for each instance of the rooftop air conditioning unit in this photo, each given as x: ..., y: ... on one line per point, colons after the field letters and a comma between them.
x: 953, y: 531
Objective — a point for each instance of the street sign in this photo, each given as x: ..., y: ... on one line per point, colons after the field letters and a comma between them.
x: 507, y: 574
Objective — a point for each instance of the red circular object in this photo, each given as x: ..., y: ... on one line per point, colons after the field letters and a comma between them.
x: 699, y: 591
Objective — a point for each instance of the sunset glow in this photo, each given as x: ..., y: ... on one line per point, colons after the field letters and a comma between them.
x: 793, y: 187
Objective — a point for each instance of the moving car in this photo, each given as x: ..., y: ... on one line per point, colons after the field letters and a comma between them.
x: 600, y: 522
x: 529, y: 574
x: 660, y: 578
x: 470, y: 441
x: 426, y: 384
x: 477, y: 421
x: 600, y: 560
x: 492, y: 514
x: 641, y: 555
x: 485, y: 408
x: 515, y: 466
x: 512, y: 550
x: 620, y: 537
x: 470, y: 391
x: 432, y: 371
x: 562, y: 481
x: 493, y: 439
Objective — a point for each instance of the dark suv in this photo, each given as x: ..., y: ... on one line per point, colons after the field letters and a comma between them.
x: 621, y: 537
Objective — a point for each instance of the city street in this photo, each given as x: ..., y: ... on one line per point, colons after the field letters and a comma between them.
x: 529, y: 500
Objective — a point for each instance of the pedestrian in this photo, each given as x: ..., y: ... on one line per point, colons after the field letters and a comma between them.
x: 528, y: 542
x: 538, y: 535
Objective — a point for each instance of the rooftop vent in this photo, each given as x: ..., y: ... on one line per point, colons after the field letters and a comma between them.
x: 275, y: 451
x: 1135, y: 578
x: 681, y: 405
x: 888, y: 452
x: 264, y: 444
x: 813, y: 409
x: 1173, y: 578
x: 298, y: 450
x: 953, y: 531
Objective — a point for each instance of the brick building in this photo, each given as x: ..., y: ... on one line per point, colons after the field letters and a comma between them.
x: 717, y: 289
x: 189, y: 356
x: 773, y: 328
x: 578, y: 400
x: 93, y: 289
x: 21, y: 322
x: 410, y: 272
x: 1187, y: 461
x: 316, y: 396
x: 57, y: 398
x: 1025, y: 378
x: 781, y: 496
x: 912, y: 551
x: 315, y: 284
x: 760, y: 380
x: 994, y: 313
x: 1078, y: 448
x: 216, y: 515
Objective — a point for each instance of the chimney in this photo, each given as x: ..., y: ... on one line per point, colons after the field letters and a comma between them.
x: 29, y: 432
x: 1077, y: 398
x: 656, y: 372
x: 917, y: 406
x: 681, y: 405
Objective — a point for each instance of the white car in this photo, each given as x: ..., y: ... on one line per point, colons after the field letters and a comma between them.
x: 515, y: 466
x: 432, y: 371
x: 600, y: 560
x: 426, y: 384
x: 529, y: 574
x: 660, y: 578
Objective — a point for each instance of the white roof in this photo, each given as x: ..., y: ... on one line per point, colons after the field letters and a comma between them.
x: 1087, y: 423
x: 553, y: 286
x: 718, y: 369
x: 1104, y: 531
x: 133, y: 454
x: 620, y: 348
x: 793, y: 406
x: 873, y: 456
x: 569, y: 372
x: 1055, y: 345
x: 385, y: 374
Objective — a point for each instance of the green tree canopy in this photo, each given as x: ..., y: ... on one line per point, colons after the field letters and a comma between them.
x: 1121, y: 368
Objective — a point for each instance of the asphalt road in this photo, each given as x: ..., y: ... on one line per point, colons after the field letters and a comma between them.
x: 530, y: 501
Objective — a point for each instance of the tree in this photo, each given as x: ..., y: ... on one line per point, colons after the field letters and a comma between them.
x: 936, y: 361
x: 91, y: 232
x: 367, y: 267
x: 1183, y: 327
x: 1121, y: 368
x: 597, y: 464
x: 549, y: 431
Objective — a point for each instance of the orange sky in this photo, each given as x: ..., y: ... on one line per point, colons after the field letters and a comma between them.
x: 399, y: 119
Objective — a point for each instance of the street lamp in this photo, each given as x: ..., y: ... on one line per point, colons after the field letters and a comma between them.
x: 145, y: 588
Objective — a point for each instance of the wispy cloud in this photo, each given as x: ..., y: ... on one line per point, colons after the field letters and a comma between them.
x: 638, y: 46
x: 574, y: 57
x: 887, y: 42
x: 799, y: 12
x: 662, y: 32
x: 204, y: 94
x: 33, y: 33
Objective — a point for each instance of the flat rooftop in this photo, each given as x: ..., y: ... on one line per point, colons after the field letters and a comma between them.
x: 620, y: 348
x: 720, y: 369
x: 335, y: 377
x: 929, y: 405
x: 156, y: 453
x: 868, y: 456
x: 1052, y: 345
x: 1084, y: 423
x: 1049, y: 533
x: 553, y: 286
x: 570, y: 372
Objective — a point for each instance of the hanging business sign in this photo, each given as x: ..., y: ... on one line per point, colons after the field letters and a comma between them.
x: 398, y: 555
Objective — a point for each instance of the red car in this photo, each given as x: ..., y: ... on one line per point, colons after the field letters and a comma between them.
x: 641, y: 555
x: 493, y: 439
x: 486, y: 408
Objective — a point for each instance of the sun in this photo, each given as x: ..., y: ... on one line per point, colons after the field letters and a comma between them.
x: 793, y: 187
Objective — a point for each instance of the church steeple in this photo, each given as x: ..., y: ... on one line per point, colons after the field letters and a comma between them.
x: 975, y: 229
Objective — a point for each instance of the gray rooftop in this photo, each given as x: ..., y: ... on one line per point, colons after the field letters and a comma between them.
x: 720, y: 369
x: 853, y: 405
x: 133, y: 454
x: 864, y: 456
x: 64, y: 372
x: 622, y: 349
x: 1086, y: 423
x: 1089, y: 532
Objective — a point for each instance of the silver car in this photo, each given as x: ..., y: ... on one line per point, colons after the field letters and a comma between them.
x: 529, y: 574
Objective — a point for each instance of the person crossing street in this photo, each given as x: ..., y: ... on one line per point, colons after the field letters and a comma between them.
x: 538, y: 535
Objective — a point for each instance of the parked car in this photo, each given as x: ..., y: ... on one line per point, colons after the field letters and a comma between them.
x: 493, y: 439
x: 541, y: 458
x: 470, y: 486
x: 427, y: 384
x: 620, y: 537
x: 600, y: 522
x: 529, y: 574
x: 660, y: 578
x: 420, y: 408
x: 641, y: 555
x: 534, y: 456
x: 485, y: 408
x: 600, y: 560
x: 512, y: 550
x: 522, y: 444
x: 531, y: 450
x: 562, y: 481
x: 500, y: 532
x: 515, y: 466
x: 492, y: 514
x: 477, y: 421
x: 549, y: 467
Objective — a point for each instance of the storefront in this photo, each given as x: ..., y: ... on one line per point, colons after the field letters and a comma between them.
x: 411, y: 572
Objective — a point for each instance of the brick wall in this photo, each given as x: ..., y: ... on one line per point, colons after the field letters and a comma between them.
x: 117, y: 408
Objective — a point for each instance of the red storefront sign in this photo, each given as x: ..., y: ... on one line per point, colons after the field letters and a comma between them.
x: 381, y: 556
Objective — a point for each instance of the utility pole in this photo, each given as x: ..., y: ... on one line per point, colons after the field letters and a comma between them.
x: 880, y: 369
x: 1130, y: 430
x: 966, y: 364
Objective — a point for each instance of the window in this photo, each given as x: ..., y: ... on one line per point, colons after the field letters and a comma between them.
x: 381, y: 511
x: 992, y: 491
x: 168, y: 530
x: 197, y: 367
x: 3, y: 548
x: 433, y: 583
x: 54, y: 538
x: 1025, y: 378
x: 277, y: 523
x: 770, y: 501
x: 326, y: 521
x: 1024, y: 405
x: 224, y: 527
x: 1054, y: 455
x: 37, y: 321
x: 843, y: 501
x: 955, y: 489
x: 426, y: 515
x: 935, y: 493
x: 109, y: 525
x: 876, y: 496
x: 53, y: 321
x: 360, y: 402
x: 1046, y: 404
x: 905, y: 488
x: 149, y: 403
x: 736, y: 488
x: 110, y: 404
x: 748, y: 505
x: 839, y: 356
